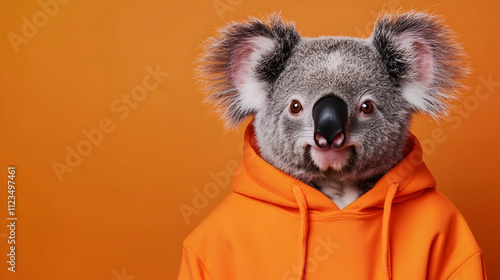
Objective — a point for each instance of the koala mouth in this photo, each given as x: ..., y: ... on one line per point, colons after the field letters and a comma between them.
x: 335, y: 159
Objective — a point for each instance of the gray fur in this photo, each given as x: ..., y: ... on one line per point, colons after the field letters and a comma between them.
x: 400, y: 61
x: 377, y: 68
x: 219, y: 59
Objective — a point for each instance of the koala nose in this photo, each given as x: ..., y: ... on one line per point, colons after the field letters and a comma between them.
x: 330, y: 119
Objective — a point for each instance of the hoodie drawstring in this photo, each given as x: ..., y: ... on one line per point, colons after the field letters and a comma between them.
x: 304, y: 228
x: 386, y: 219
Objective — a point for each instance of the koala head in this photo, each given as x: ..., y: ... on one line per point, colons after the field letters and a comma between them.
x: 335, y: 107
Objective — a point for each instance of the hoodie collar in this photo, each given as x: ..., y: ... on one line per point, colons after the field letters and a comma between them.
x: 258, y: 179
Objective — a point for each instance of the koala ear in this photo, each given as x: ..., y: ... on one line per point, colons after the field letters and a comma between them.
x: 242, y: 63
x: 422, y: 57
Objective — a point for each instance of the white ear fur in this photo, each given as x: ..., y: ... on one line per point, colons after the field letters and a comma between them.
x: 422, y: 56
x: 416, y: 94
x: 422, y: 77
x: 252, y: 91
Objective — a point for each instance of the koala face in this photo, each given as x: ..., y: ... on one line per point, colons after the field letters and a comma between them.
x: 333, y: 107
x: 375, y: 127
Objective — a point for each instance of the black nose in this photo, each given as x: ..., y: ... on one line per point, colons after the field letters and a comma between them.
x: 330, y: 119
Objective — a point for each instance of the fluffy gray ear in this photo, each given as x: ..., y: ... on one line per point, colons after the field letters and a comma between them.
x: 242, y: 62
x: 422, y: 57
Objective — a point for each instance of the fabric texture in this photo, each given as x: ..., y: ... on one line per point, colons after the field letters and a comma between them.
x: 273, y: 226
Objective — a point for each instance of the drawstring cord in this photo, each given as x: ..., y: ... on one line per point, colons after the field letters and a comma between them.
x: 386, y: 219
x: 304, y: 228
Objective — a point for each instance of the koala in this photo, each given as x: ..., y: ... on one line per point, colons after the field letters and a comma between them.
x: 332, y: 183
x: 333, y: 112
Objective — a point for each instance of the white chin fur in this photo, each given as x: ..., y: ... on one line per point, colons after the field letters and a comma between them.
x: 335, y: 159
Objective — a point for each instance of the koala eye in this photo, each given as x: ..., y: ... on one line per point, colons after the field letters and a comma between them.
x: 295, y: 107
x: 366, y: 107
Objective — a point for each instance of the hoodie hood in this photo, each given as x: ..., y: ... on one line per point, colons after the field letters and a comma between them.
x: 260, y: 180
x: 274, y: 226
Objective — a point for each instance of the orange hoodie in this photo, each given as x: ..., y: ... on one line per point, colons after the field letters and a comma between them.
x: 273, y: 226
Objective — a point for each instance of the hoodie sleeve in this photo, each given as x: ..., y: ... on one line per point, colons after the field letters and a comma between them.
x: 471, y: 269
x: 454, y: 253
x: 192, y: 268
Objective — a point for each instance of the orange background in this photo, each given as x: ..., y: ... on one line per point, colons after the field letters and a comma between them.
x: 116, y: 214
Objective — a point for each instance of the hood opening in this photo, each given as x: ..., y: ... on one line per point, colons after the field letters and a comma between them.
x: 259, y: 180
